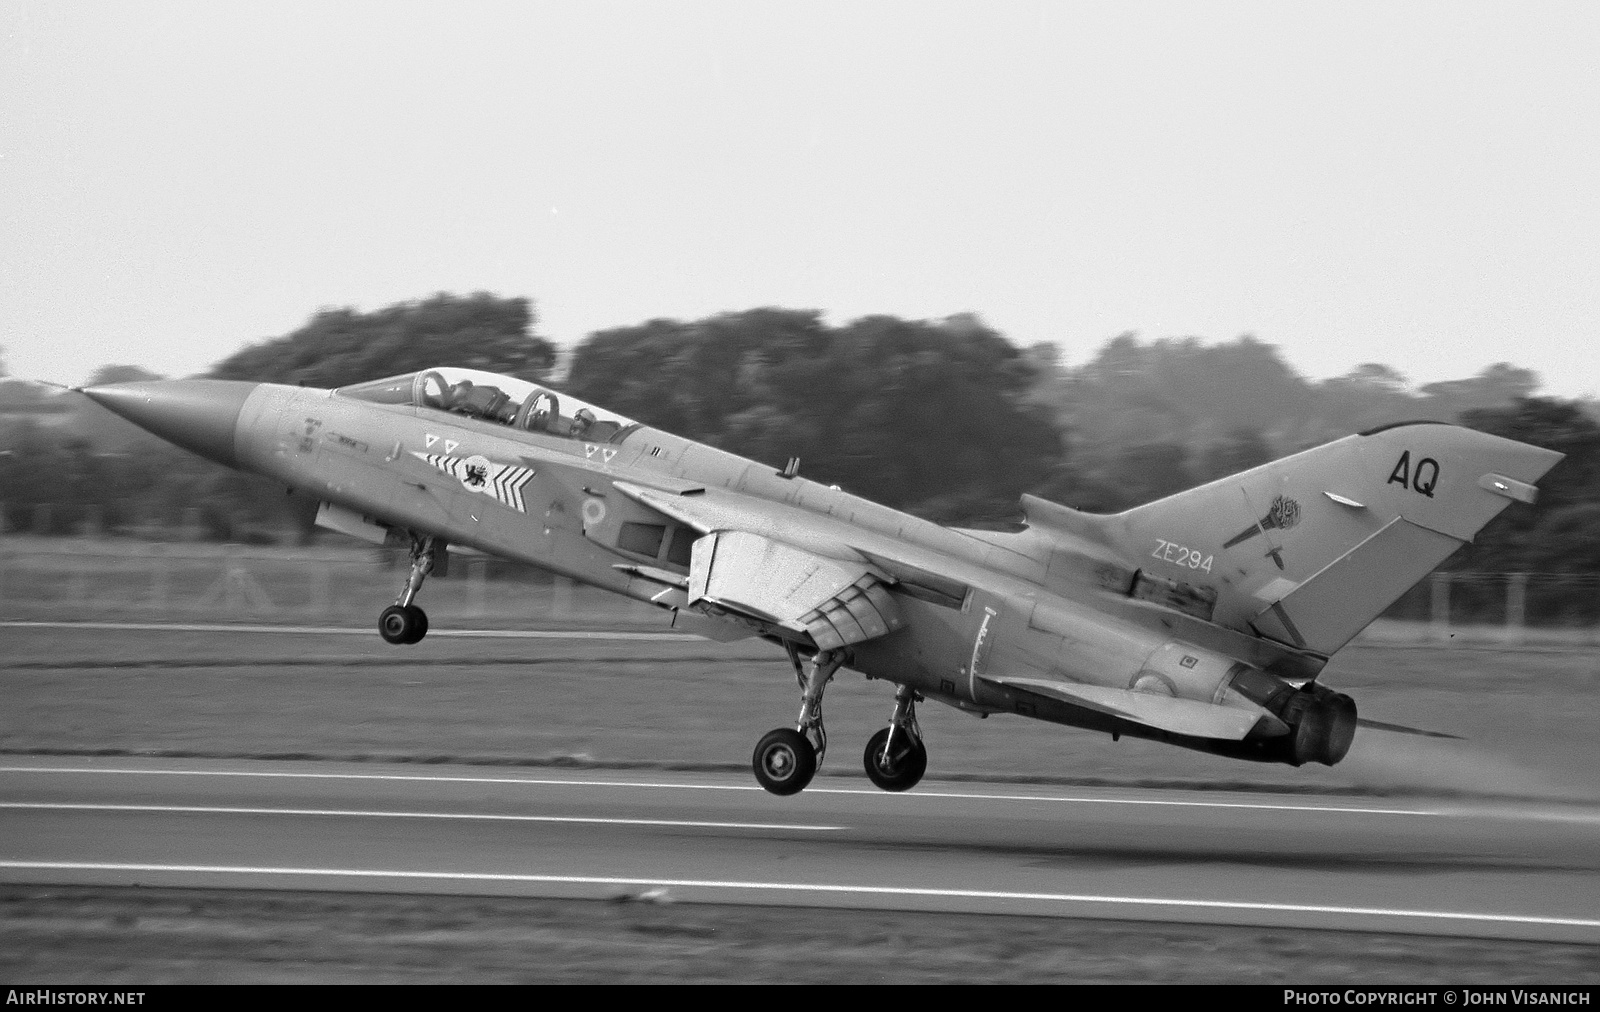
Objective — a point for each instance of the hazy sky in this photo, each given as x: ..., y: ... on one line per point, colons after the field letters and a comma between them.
x: 1410, y: 183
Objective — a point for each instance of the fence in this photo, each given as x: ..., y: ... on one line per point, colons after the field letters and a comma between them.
x: 86, y: 579
x: 1506, y: 607
x: 89, y: 578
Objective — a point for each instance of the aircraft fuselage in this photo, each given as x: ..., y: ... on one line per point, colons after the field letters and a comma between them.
x: 364, y: 457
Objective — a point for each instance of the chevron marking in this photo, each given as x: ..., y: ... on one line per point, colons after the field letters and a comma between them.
x: 477, y: 473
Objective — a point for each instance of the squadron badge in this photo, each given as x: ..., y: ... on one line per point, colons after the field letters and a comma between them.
x: 1283, y: 514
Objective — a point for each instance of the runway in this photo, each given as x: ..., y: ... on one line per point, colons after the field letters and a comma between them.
x: 1469, y: 868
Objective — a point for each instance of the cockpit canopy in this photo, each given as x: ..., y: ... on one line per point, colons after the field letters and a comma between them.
x: 504, y: 400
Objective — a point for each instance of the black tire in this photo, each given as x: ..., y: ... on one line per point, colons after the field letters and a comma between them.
x: 398, y: 625
x: 421, y: 618
x: 908, y: 760
x: 784, y: 761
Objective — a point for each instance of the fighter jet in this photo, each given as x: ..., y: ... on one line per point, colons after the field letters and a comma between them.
x: 1202, y: 620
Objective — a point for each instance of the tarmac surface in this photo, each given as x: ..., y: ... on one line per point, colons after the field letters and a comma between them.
x: 223, y: 801
x: 1468, y: 868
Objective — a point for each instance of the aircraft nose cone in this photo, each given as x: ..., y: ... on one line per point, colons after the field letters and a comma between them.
x: 199, y: 415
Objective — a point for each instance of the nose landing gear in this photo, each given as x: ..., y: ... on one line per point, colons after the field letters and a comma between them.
x: 895, y: 757
x: 786, y: 759
x: 403, y: 622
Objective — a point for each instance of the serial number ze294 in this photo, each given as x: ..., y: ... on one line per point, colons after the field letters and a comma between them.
x: 1181, y: 555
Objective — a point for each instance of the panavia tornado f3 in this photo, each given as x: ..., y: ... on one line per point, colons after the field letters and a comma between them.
x: 1201, y: 620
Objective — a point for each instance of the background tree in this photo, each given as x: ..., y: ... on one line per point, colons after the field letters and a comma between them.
x: 1369, y: 395
x: 340, y: 346
x: 1546, y: 537
x: 120, y: 374
x: 1147, y: 420
x: 1558, y: 537
x: 1497, y: 385
x: 1228, y: 406
x: 933, y: 416
x: 1241, y: 449
x: 945, y: 418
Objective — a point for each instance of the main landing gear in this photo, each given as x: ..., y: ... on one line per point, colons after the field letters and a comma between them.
x: 786, y: 759
x: 404, y: 622
x: 895, y: 757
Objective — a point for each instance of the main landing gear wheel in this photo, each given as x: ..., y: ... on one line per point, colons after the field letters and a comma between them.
x: 400, y: 624
x: 895, y: 758
x: 895, y: 767
x: 784, y: 761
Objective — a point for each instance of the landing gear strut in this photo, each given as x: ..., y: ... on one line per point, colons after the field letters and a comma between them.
x: 404, y: 622
x: 786, y: 759
x: 895, y: 757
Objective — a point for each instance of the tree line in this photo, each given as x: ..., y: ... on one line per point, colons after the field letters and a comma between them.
x: 944, y: 418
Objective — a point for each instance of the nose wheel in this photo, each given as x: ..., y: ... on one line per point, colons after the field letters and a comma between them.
x: 895, y: 758
x: 403, y: 622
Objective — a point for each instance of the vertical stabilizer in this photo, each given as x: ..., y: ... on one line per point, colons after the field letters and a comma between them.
x: 1309, y: 549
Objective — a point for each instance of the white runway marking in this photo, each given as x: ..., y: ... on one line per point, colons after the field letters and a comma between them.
x: 814, y: 889
x: 1454, y: 810
x: 302, y: 630
x: 463, y: 816
x: 653, y: 784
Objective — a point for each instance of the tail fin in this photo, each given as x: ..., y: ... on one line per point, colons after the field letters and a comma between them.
x: 1309, y: 549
